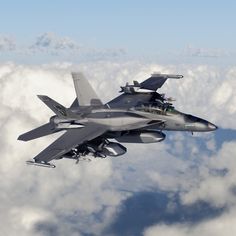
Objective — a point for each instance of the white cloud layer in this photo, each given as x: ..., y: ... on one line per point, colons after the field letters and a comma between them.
x: 66, y: 200
x: 223, y: 225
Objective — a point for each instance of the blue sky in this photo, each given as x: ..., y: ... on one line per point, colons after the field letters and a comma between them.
x: 150, y: 29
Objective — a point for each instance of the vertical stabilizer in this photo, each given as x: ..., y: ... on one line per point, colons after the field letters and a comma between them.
x: 57, y: 108
x: 86, y: 96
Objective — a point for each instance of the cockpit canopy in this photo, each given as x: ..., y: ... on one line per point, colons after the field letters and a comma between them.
x: 192, y: 119
x: 157, y: 108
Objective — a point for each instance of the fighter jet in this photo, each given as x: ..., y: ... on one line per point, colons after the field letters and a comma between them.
x: 92, y: 129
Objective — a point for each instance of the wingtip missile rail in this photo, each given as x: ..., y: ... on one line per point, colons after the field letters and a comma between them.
x: 42, y: 164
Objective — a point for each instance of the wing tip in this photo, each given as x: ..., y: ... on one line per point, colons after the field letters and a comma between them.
x: 43, y: 97
x: 22, y: 137
x: 43, y: 164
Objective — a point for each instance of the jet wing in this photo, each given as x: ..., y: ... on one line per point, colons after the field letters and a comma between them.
x: 41, y: 131
x: 157, y: 80
x: 69, y: 140
x: 129, y: 100
x: 153, y: 83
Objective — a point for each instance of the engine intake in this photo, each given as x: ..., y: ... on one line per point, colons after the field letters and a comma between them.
x: 59, y: 123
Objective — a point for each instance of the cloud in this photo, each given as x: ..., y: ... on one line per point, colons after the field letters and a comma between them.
x: 7, y: 43
x: 212, y: 187
x: 223, y: 225
x: 146, y: 208
x: 204, y: 52
x: 102, y: 54
x: 85, y: 198
x: 29, y: 216
x: 49, y: 45
x: 51, y: 42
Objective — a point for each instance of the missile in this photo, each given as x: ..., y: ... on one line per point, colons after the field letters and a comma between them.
x: 42, y: 164
x: 168, y: 76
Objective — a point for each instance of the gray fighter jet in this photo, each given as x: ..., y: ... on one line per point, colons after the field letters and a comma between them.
x: 138, y: 115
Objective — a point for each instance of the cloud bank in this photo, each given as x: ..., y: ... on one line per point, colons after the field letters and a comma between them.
x: 53, y: 42
x: 205, y: 52
x: 87, y: 198
x: 50, y: 44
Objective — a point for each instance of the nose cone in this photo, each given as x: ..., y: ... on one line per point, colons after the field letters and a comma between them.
x: 194, y: 123
x: 205, y: 126
x: 211, y: 126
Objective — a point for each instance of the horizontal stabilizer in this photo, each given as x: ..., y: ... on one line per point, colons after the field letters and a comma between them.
x: 38, y: 132
x: 57, y: 108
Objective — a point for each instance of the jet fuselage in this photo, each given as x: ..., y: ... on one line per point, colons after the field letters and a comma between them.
x: 134, y: 118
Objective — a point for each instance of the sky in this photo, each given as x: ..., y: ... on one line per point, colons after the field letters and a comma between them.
x: 168, y: 31
x: 182, y: 186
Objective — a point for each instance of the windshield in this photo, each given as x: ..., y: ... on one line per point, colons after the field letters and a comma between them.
x: 192, y: 119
